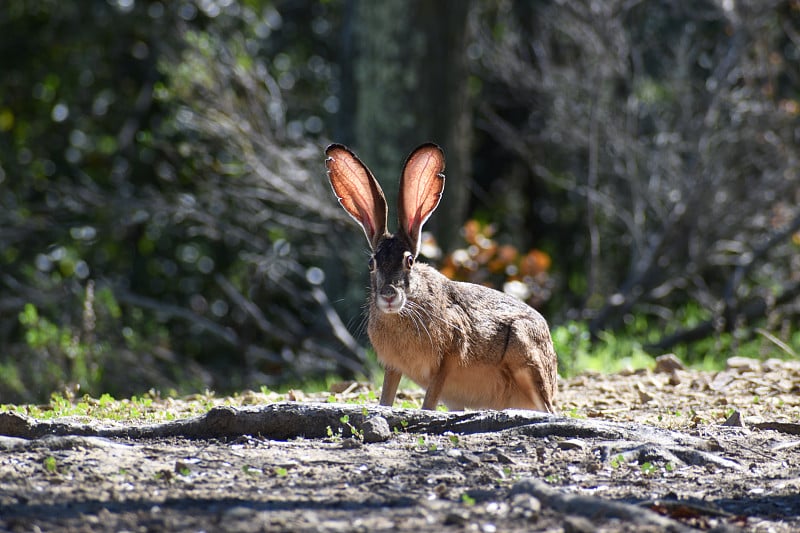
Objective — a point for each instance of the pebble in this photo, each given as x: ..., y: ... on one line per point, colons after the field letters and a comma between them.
x: 376, y: 429
x: 668, y: 363
x: 526, y: 506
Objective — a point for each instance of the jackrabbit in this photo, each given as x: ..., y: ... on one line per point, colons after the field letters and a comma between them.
x: 469, y: 345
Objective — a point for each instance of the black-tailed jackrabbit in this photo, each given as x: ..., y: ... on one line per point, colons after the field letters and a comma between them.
x: 466, y: 344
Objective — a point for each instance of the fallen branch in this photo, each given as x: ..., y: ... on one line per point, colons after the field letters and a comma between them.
x: 784, y: 427
x: 287, y: 420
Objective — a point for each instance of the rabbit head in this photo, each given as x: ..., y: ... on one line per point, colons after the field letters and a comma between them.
x: 393, y: 256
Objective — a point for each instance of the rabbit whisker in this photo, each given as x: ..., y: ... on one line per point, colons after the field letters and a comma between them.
x: 362, y: 323
x: 437, y: 317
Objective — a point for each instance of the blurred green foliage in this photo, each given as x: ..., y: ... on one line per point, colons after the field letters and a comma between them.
x: 142, y: 243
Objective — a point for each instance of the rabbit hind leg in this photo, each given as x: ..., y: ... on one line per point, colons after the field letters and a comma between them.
x: 527, y: 394
x: 530, y: 370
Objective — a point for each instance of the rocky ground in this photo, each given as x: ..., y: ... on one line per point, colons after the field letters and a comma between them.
x: 668, y: 449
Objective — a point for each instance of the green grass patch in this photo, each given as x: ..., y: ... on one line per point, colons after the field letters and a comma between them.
x: 149, y: 407
x: 623, y: 350
x: 609, y: 354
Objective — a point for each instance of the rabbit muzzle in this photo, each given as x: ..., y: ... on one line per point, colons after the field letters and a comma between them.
x: 390, y: 300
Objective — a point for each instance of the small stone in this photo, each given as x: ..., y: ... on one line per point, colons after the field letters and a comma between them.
x: 735, y: 420
x: 481, y: 495
x: 505, y: 459
x: 469, y: 458
x: 742, y: 364
x: 501, y: 457
x: 498, y: 508
x: 376, y: 429
x: 525, y: 505
x: 295, y: 395
x: 344, y: 387
x: 351, y: 443
x: 668, y: 363
x: 238, y: 513
x: 456, y: 518
x: 578, y: 524
x: 644, y: 396
x: 571, y: 444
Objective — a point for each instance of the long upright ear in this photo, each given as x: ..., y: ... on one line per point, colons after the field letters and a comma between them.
x: 358, y: 191
x: 421, y: 187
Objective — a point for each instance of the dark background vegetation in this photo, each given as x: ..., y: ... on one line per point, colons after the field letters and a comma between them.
x: 630, y: 168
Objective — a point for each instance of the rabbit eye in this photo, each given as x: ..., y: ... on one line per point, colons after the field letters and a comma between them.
x: 409, y: 261
x: 371, y: 264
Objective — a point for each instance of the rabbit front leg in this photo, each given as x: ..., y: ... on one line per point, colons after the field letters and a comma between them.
x: 391, y: 379
x: 436, y: 385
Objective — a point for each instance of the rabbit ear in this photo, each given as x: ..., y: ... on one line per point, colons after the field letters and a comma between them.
x: 421, y: 187
x: 358, y: 191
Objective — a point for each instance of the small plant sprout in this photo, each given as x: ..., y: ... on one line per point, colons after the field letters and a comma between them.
x: 354, y: 431
x: 618, y: 461
x: 50, y: 464
x: 423, y: 443
x: 164, y: 475
x: 182, y: 468
x: 648, y: 468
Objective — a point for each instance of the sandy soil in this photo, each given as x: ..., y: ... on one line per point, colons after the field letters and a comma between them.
x: 749, y: 478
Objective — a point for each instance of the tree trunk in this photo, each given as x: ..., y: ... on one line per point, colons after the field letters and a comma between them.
x: 411, y: 87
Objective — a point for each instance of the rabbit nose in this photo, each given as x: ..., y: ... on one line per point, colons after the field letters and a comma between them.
x: 389, y: 297
x: 389, y: 294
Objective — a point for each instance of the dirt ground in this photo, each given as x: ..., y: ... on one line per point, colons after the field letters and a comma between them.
x: 747, y: 478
